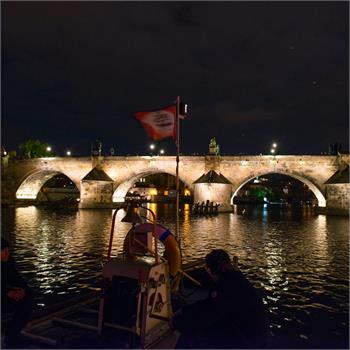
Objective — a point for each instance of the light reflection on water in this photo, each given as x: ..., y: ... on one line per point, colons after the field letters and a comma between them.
x: 299, y: 260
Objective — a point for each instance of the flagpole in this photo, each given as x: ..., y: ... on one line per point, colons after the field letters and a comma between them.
x: 177, y: 167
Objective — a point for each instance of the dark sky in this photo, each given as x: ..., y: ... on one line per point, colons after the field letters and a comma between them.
x: 251, y: 72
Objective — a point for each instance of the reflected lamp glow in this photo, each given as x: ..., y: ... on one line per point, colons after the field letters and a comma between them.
x: 153, y: 207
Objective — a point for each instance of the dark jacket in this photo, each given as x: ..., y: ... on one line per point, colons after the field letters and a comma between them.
x: 233, y: 315
x: 10, y: 278
x: 19, y: 312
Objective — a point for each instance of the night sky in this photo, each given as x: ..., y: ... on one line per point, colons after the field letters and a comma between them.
x: 251, y: 72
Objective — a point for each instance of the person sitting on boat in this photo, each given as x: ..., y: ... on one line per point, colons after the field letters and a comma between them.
x: 206, y: 208
x: 233, y: 315
x: 201, y: 208
x: 16, y: 298
x: 196, y: 208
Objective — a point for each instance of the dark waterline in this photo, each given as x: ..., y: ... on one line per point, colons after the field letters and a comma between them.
x: 298, y: 260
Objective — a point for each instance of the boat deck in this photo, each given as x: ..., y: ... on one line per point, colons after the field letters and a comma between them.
x: 76, y: 326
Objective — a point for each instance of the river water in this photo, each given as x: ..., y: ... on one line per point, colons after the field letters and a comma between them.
x: 299, y: 261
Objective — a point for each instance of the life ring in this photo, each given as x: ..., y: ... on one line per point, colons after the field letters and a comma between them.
x: 172, y: 250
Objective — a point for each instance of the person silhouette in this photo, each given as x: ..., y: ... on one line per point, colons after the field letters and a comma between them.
x: 232, y: 316
x: 16, y: 299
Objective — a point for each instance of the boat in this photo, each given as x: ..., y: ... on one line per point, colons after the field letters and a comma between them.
x: 208, y: 208
x: 75, y: 324
x: 281, y: 202
x: 140, y: 293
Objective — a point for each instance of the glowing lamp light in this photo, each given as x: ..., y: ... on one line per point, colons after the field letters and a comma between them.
x: 151, y: 146
x: 274, y: 145
x: 161, y: 151
x: 153, y: 192
x: 68, y: 153
x: 48, y: 148
x: 187, y: 193
x: 272, y: 150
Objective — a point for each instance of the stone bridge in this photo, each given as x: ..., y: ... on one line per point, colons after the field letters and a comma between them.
x: 23, y: 179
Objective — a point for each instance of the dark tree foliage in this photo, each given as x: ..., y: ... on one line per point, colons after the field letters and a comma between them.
x: 35, y: 149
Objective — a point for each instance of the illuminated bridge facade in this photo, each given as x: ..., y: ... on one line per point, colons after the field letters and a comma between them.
x: 23, y: 179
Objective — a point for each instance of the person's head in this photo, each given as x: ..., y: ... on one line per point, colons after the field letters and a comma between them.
x: 4, y: 250
x: 218, y: 262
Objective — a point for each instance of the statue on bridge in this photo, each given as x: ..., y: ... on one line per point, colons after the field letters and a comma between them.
x: 96, y: 148
x: 214, y: 148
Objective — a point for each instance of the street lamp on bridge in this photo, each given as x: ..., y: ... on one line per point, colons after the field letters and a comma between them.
x: 273, y: 148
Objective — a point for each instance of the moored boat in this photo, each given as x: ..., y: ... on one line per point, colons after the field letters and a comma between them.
x: 140, y: 292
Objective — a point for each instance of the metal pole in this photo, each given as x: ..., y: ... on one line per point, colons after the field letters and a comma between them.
x: 154, y: 220
x: 111, y: 235
x: 102, y: 299
x: 177, y: 121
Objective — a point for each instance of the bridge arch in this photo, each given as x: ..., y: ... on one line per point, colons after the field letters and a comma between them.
x: 123, y: 188
x: 313, y: 188
x: 31, y: 184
